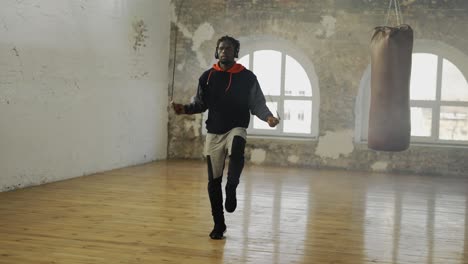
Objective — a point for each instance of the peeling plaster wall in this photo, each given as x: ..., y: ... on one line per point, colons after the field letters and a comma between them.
x: 335, y: 35
x: 83, y: 87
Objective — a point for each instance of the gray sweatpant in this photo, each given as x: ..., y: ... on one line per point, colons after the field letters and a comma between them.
x: 218, y: 147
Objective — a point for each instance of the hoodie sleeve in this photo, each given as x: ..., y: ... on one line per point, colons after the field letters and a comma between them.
x: 198, y: 103
x: 257, y: 102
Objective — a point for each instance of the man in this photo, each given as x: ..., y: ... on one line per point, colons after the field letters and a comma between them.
x: 230, y: 92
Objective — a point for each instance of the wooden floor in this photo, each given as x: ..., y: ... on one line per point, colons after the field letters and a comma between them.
x: 159, y: 213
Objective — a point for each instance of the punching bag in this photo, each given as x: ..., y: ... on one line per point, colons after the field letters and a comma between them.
x: 389, y: 113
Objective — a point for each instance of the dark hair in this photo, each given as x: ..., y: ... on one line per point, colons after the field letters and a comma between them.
x: 234, y: 42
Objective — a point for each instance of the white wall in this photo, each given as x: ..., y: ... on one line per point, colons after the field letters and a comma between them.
x: 77, y: 94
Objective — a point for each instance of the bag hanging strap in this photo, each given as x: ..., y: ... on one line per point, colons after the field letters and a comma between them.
x: 397, y: 9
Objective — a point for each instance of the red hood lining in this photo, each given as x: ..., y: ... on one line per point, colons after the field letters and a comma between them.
x: 236, y: 68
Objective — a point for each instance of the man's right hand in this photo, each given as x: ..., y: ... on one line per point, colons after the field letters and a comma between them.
x: 178, y: 108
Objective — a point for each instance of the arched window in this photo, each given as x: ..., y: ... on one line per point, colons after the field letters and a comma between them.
x: 438, y: 95
x: 289, y: 83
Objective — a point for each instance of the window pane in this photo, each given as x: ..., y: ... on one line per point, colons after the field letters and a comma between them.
x: 267, y: 67
x: 298, y: 116
x: 296, y: 81
x: 260, y: 124
x: 244, y: 61
x: 423, y: 77
x: 453, y: 123
x: 421, y: 121
x: 454, y: 85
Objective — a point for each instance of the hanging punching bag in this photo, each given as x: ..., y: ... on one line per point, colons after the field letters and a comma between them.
x: 389, y: 114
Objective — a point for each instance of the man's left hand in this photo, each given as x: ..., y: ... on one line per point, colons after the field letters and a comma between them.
x: 272, y: 121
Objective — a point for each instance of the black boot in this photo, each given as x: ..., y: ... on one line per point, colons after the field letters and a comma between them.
x: 216, y: 200
x: 236, y: 164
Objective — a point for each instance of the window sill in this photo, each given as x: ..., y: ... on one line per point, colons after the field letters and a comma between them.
x: 425, y: 145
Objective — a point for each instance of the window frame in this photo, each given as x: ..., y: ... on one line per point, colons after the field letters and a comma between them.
x: 251, y: 44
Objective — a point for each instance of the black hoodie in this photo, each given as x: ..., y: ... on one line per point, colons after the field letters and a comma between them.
x: 230, y: 96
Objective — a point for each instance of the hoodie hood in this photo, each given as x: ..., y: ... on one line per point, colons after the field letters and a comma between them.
x: 236, y: 68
